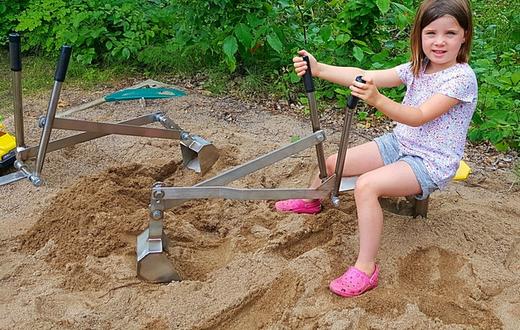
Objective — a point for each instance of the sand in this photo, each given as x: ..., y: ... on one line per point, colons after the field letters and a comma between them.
x: 67, y: 249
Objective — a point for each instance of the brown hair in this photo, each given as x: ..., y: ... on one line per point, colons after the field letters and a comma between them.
x: 429, y: 11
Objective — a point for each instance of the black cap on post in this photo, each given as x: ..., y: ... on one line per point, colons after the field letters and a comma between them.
x: 63, y: 63
x: 15, y: 52
x: 307, y: 77
x: 353, y: 100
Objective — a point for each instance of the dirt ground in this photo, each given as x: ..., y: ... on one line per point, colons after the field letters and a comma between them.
x: 67, y: 249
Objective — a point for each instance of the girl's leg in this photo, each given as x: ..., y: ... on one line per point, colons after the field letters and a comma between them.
x: 359, y: 159
x: 393, y: 180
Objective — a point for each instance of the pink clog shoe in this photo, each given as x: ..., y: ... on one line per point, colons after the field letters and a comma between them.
x: 354, y: 282
x: 299, y: 206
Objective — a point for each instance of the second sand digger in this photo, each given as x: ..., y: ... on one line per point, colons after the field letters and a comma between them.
x: 197, y: 153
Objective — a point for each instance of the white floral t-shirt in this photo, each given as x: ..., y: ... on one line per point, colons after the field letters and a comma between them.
x: 440, y: 142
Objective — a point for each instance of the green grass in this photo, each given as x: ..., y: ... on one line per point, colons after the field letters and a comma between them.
x: 38, y: 77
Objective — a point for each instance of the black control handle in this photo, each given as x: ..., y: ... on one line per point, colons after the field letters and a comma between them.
x: 63, y: 63
x: 307, y: 77
x: 353, y: 100
x: 15, y: 52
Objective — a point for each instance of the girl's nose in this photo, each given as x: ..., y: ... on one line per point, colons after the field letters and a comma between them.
x: 440, y: 41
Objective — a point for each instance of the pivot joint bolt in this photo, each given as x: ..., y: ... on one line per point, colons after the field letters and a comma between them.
x: 157, y: 214
x: 41, y: 122
x: 185, y: 136
x: 158, y: 194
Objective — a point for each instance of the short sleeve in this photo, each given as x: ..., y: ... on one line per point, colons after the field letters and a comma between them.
x: 404, y: 71
x: 461, y: 84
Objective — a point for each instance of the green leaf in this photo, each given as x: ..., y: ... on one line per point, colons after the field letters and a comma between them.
x: 326, y: 32
x: 230, y: 46
x: 295, y: 138
x: 502, y: 146
x: 231, y: 63
x: 293, y: 77
x: 515, y: 77
x: 244, y: 35
x: 359, y: 42
x: 362, y: 115
x: 274, y: 42
x: 358, y: 53
x: 126, y: 53
x: 342, y: 91
x: 383, y: 5
x: 342, y: 39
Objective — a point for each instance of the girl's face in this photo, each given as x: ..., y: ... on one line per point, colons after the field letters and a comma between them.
x: 441, y: 41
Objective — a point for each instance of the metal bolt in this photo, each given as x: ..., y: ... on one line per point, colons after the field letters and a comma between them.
x: 36, y: 180
x: 185, y: 135
x: 158, y: 194
x: 320, y: 137
x: 18, y: 164
x: 157, y: 215
x: 41, y: 122
x: 335, y: 201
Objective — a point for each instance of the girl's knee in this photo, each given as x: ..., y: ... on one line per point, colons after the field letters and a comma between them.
x: 330, y: 163
x: 366, y: 186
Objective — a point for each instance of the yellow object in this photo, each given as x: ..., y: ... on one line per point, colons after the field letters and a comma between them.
x: 7, y: 143
x: 463, y: 171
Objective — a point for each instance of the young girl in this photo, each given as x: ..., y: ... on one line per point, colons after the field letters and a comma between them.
x: 423, y: 152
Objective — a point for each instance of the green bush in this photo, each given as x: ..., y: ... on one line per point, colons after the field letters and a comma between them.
x: 98, y: 30
x: 496, y: 59
x: 240, y: 38
x: 9, y: 12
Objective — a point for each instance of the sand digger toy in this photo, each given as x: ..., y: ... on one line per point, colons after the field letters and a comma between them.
x: 152, y: 262
x: 197, y: 153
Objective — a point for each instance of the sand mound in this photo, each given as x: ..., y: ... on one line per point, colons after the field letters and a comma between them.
x: 244, y: 265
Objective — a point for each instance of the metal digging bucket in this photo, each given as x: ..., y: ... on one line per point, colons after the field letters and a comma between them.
x: 152, y: 264
x: 198, y: 154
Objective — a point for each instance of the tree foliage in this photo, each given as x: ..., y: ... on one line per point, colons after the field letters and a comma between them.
x: 242, y: 37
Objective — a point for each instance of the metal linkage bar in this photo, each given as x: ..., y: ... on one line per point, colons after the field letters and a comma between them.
x: 245, y: 169
x: 176, y: 193
x: 120, y: 129
x: 83, y: 137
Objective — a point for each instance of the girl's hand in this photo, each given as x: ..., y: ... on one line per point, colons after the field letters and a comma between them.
x: 300, y: 66
x: 368, y: 92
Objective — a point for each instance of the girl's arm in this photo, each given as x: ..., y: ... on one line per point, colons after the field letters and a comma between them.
x: 432, y: 108
x: 344, y: 75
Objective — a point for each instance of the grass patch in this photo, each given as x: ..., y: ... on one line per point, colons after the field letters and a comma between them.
x: 38, y: 76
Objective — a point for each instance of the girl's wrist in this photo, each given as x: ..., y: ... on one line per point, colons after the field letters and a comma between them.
x: 379, y: 102
x: 316, y: 73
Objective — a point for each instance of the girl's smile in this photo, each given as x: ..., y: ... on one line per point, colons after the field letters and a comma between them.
x: 441, y: 42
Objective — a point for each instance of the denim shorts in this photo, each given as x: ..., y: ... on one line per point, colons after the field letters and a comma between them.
x: 390, y: 152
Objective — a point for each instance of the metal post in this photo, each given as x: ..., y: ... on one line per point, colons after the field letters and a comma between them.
x: 343, y: 146
x: 51, y: 112
x: 315, y: 121
x: 16, y: 68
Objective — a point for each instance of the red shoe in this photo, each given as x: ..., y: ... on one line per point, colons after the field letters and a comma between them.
x: 354, y: 282
x: 299, y: 206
